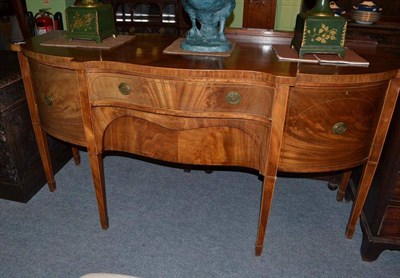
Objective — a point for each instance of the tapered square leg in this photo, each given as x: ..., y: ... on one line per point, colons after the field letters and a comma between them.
x: 266, y: 201
x: 96, y: 165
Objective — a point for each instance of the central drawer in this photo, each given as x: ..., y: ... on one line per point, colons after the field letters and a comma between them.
x: 183, y: 94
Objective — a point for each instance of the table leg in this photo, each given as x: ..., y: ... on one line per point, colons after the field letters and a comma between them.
x: 97, y: 168
x: 343, y: 186
x: 376, y: 149
x: 76, y: 155
x: 41, y: 139
x: 266, y: 201
x: 40, y: 134
x: 360, y: 197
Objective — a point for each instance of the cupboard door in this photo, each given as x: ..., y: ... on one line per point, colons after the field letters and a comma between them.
x: 58, y: 103
x: 259, y: 14
x: 332, y: 127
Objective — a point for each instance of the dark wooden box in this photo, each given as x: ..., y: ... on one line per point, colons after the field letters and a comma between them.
x: 21, y: 170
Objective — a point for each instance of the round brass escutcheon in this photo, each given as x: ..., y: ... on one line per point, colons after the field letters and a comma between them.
x: 339, y: 128
x: 48, y: 100
x: 233, y: 98
x: 124, y: 88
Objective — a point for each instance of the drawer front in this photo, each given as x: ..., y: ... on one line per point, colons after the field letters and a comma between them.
x: 211, y: 141
x: 184, y: 95
x: 330, y: 129
x: 57, y: 99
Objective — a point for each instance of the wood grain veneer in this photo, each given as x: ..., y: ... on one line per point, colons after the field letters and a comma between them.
x: 248, y: 109
x: 57, y: 102
x: 312, y: 115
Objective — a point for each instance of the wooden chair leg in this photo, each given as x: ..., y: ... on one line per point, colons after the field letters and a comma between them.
x: 266, y: 201
x: 343, y: 186
x: 96, y: 165
x: 76, y: 155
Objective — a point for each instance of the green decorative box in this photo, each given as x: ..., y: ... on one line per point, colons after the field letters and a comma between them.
x: 93, y: 21
x: 320, y: 31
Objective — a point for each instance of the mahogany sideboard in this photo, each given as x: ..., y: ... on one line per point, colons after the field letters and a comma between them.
x: 248, y: 109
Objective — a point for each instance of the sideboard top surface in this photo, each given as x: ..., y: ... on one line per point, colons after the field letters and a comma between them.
x: 252, y: 52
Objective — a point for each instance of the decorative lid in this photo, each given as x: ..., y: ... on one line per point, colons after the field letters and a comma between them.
x: 368, y: 6
x: 336, y: 9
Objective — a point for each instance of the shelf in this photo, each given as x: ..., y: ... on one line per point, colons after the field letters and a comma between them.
x: 149, y: 16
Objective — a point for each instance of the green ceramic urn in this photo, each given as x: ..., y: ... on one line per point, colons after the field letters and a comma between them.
x: 88, y: 19
x: 319, y: 31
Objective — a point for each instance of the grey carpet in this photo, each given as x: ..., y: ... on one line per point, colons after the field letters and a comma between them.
x: 165, y: 222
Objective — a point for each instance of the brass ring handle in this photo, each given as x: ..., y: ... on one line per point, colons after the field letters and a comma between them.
x: 339, y: 128
x: 48, y: 100
x: 233, y: 98
x: 124, y: 88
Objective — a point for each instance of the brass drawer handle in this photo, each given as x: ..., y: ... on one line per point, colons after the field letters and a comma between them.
x: 339, y: 128
x: 233, y: 98
x: 124, y: 88
x: 48, y: 100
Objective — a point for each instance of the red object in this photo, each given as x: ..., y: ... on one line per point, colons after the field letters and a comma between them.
x: 44, y: 22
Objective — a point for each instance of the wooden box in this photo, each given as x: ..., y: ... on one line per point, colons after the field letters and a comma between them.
x: 319, y: 34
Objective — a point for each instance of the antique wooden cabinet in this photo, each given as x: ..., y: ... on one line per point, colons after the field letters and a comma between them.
x: 21, y: 170
x: 247, y: 109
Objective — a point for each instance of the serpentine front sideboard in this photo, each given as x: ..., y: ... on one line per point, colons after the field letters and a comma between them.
x: 249, y: 109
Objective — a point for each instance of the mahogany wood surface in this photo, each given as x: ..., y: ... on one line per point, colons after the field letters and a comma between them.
x: 248, y: 109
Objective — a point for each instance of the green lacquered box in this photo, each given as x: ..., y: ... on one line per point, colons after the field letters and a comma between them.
x: 319, y: 34
x: 94, y: 22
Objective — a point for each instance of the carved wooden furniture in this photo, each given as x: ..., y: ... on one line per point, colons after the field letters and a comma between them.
x: 247, y: 109
x: 21, y: 170
x: 259, y: 14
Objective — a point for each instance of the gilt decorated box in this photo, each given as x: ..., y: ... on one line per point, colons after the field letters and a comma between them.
x: 90, y: 22
x: 319, y: 34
